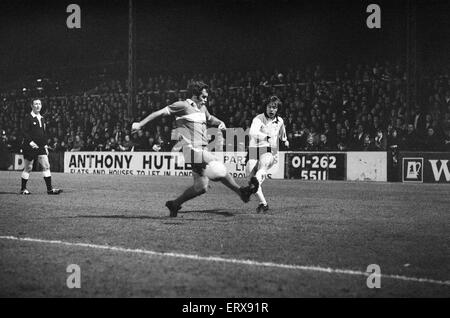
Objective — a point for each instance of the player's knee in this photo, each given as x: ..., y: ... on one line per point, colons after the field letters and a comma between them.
x: 265, y: 162
x: 201, y: 188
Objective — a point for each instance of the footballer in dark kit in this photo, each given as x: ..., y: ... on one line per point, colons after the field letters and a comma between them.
x: 35, y: 146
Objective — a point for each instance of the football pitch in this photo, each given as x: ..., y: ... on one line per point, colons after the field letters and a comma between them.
x: 317, y: 239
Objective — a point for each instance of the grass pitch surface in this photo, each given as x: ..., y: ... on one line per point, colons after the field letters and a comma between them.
x: 314, y: 226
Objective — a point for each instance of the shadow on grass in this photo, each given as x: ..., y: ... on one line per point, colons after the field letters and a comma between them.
x: 147, y: 217
x: 211, y: 211
x: 121, y: 216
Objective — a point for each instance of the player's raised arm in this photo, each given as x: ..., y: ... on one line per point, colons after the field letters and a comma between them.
x: 138, y: 125
x: 172, y: 109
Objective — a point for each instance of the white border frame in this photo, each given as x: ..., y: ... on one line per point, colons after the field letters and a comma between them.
x: 403, y: 169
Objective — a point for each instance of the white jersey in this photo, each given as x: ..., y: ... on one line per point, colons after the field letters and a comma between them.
x: 263, y: 127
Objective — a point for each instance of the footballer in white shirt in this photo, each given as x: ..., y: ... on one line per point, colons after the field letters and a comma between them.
x: 265, y: 132
x: 191, y: 119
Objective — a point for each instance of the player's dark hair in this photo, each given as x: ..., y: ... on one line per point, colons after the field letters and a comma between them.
x: 273, y: 100
x: 195, y: 88
x: 33, y: 99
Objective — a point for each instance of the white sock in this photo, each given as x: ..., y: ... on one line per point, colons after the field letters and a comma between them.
x: 261, y: 176
x: 260, y: 196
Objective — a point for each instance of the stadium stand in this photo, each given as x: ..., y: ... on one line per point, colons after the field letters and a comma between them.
x: 357, y: 107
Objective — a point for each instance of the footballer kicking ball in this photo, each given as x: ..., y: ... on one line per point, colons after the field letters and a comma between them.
x: 215, y: 170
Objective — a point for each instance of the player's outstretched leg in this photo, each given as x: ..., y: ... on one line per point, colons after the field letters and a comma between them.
x: 199, y: 187
x: 25, y: 176
x: 262, y: 206
x: 264, y: 164
x: 43, y: 160
x: 243, y: 192
x: 252, y: 167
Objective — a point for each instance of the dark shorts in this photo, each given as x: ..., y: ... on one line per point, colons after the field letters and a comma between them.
x: 199, y: 168
x: 257, y: 152
x: 31, y: 154
x: 196, y: 157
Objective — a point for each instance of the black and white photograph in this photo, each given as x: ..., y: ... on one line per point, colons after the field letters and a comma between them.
x: 224, y: 153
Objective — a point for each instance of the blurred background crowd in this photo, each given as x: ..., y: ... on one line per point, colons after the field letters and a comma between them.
x: 355, y: 108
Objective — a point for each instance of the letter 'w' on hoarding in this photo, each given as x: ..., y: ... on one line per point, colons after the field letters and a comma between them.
x: 374, y: 279
x: 437, y: 172
x: 74, y: 279
x: 374, y: 20
x: 74, y: 20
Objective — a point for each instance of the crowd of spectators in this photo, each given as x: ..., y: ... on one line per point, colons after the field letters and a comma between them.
x: 359, y: 107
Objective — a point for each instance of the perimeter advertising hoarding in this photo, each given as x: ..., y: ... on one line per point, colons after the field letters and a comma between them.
x: 367, y: 166
x: 316, y: 165
x: 426, y: 167
x: 154, y: 163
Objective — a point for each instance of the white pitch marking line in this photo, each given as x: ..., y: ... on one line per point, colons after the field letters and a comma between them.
x: 227, y: 260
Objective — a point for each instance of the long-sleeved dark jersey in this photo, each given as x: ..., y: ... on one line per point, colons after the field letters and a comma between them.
x: 32, y: 130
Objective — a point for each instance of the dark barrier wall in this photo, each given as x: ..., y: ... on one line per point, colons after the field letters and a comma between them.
x: 316, y: 166
x: 15, y: 161
x: 392, y: 166
x: 56, y: 161
x: 5, y: 160
x: 427, y: 167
